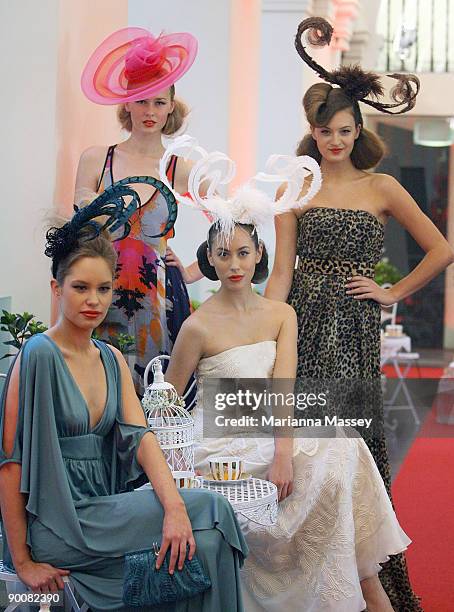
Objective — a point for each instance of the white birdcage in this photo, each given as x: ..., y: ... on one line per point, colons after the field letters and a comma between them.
x: 170, y: 421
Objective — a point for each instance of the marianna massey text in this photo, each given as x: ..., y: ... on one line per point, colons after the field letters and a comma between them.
x: 288, y: 421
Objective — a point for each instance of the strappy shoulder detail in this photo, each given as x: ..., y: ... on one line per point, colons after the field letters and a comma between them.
x: 107, y: 167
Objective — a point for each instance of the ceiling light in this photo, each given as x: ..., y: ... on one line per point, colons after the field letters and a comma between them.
x: 433, y: 133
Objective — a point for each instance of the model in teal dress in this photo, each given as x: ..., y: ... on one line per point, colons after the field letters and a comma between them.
x: 82, y: 512
x: 75, y: 445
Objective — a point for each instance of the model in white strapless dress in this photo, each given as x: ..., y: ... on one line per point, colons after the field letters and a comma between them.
x: 336, y: 527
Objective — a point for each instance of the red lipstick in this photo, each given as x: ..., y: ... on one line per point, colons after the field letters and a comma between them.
x: 235, y: 278
x: 91, y: 314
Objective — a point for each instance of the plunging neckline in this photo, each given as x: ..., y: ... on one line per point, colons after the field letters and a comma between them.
x: 91, y: 429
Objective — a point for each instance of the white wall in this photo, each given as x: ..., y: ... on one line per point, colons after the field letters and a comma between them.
x: 284, y: 78
x: 282, y: 84
x: 28, y: 47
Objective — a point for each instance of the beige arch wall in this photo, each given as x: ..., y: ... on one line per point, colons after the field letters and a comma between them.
x: 46, y: 123
x: 79, y: 122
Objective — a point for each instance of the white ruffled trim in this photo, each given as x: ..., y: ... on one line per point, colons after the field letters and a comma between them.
x: 249, y: 204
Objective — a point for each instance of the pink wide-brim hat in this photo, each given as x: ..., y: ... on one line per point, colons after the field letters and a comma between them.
x: 132, y: 64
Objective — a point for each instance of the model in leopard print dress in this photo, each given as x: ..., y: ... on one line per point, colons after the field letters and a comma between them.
x: 339, y: 319
x: 339, y: 337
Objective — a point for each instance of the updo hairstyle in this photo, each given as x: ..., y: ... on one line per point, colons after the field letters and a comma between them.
x: 321, y: 102
x: 67, y: 250
x: 261, y: 269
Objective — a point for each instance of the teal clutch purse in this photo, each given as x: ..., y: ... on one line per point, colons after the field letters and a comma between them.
x: 144, y: 585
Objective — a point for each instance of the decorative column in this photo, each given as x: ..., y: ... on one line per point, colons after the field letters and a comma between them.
x: 324, y: 8
x: 365, y: 42
x: 357, y: 45
x: 244, y: 86
x: 345, y: 13
x: 80, y: 123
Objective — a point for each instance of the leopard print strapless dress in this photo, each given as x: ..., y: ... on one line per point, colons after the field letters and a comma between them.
x: 339, y: 337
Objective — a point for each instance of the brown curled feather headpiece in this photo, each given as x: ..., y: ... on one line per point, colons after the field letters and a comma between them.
x: 356, y: 82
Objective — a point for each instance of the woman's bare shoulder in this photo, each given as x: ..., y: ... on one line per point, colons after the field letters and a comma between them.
x: 90, y: 167
x: 280, y: 310
x: 196, y: 324
x: 94, y: 154
x: 384, y: 182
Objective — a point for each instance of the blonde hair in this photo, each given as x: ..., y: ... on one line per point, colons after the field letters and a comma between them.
x: 174, y: 120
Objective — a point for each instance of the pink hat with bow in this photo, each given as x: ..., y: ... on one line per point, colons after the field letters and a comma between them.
x: 132, y: 64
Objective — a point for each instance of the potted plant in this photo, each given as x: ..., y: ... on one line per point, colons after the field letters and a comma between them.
x: 20, y: 327
x: 123, y: 342
x: 386, y: 272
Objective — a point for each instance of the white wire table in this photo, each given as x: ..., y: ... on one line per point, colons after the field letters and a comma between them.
x: 252, y: 498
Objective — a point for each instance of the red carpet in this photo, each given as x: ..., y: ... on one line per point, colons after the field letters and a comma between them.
x: 423, y: 494
x: 414, y: 372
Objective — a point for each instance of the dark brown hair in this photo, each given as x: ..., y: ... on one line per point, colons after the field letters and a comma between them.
x: 321, y: 102
x: 174, y: 120
x: 101, y: 246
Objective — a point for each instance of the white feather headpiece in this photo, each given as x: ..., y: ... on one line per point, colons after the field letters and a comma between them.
x: 249, y: 204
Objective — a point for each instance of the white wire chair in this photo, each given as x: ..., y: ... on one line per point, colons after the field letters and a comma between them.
x: 401, y: 361
x: 388, y: 313
x: 15, y: 586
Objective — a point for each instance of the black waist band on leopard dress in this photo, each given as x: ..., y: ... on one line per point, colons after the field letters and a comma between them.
x: 316, y: 265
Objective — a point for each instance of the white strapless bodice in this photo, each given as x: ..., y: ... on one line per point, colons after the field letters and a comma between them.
x: 245, y: 361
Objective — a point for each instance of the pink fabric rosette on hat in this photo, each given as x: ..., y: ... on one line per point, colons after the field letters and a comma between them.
x: 132, y: 64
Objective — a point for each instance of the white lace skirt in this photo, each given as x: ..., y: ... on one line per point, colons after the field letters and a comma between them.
x: 334, y: 530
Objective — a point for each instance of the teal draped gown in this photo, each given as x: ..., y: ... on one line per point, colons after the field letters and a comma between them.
x: 82, y: 511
